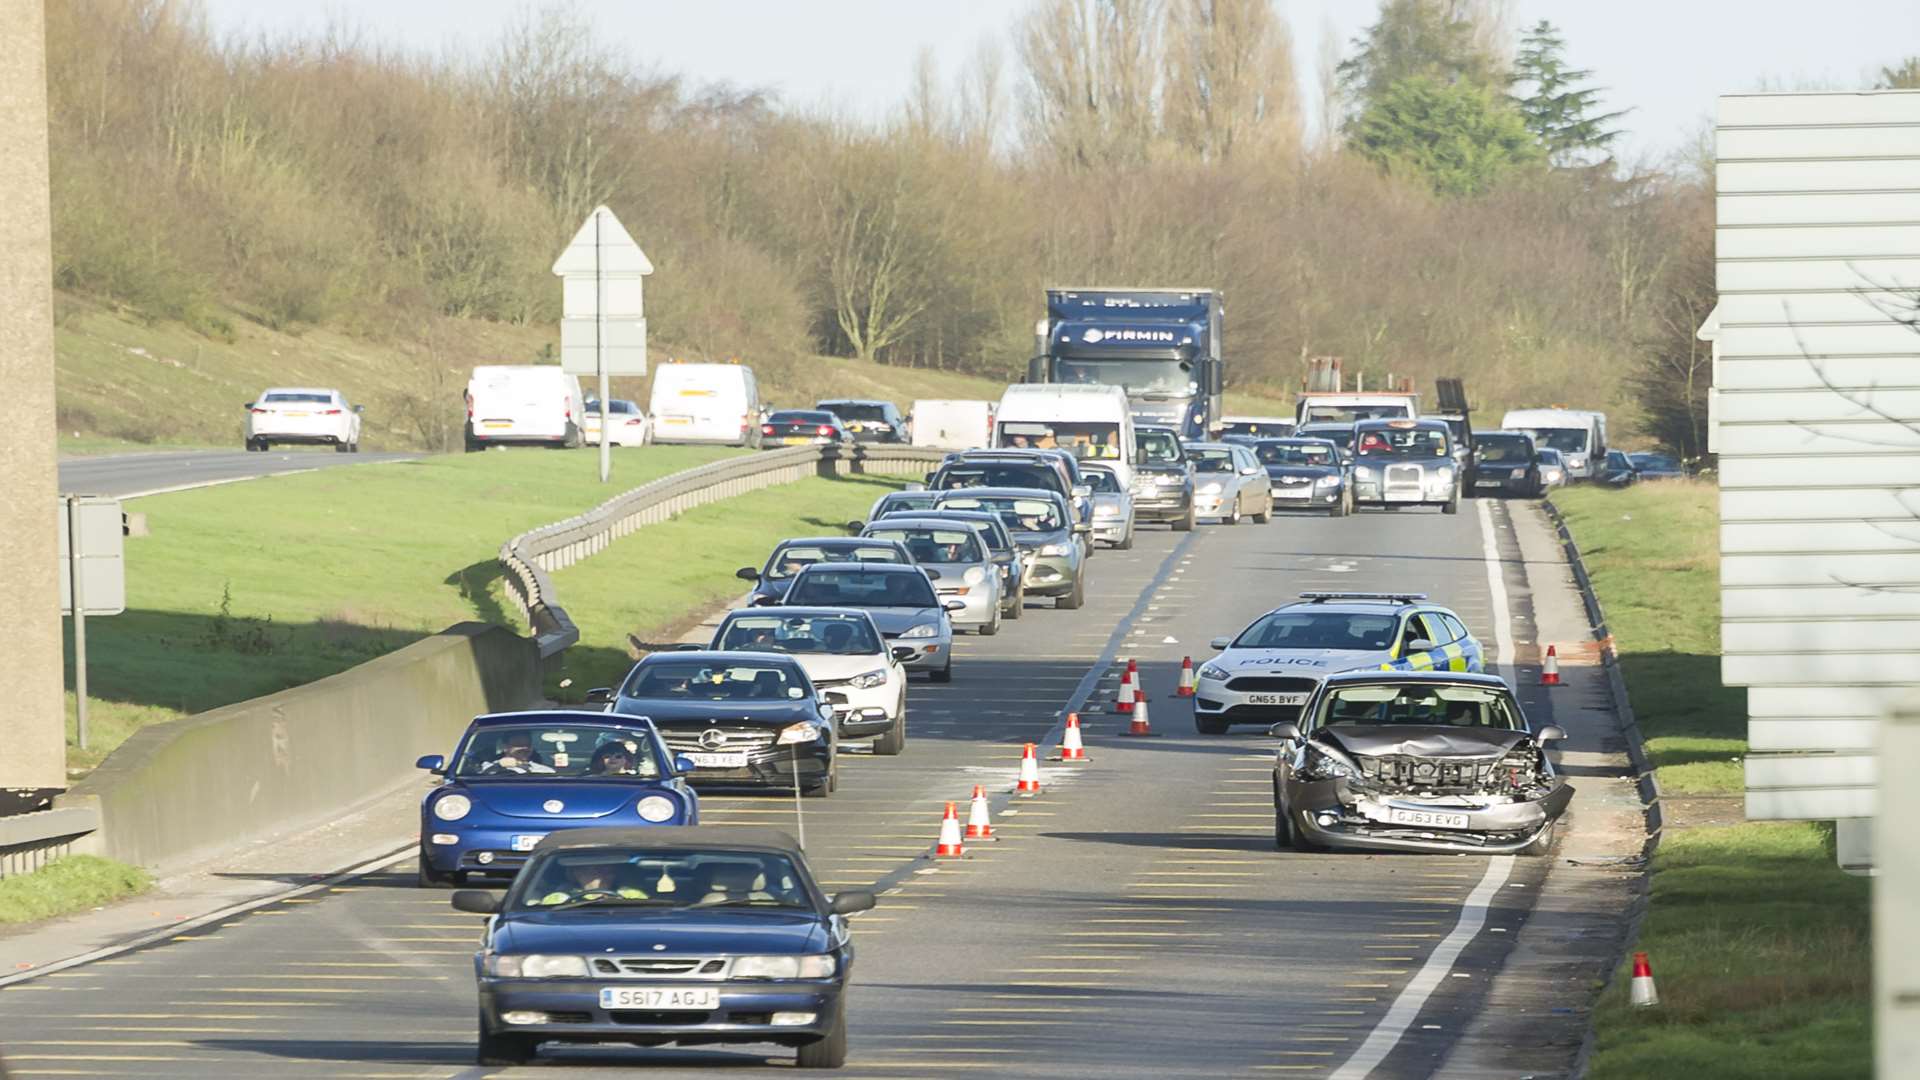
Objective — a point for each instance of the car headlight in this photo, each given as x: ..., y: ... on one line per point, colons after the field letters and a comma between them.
x: 1518, y: 473
x: 1327, y: 482
x: 1055, y: 549
x: 1106, y: 511
x: 1211, y: 487
x: 924, y: 630
x: 657, y: 808
x: 537, y: 966
x: 974, y: 576
x: 1208, y: 671
x: 1319, y: 766
x: 1444, y: 474
x: 452, y: 807
x: 1168, y: 478
x: 1363, y: 472
x: 867, y: 680
x: 784, y: 967
x: 802, y: 732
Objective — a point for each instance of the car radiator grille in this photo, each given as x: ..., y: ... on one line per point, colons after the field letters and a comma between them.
x: 1425, y: 774
x: 687, y: 740
x: 1271, y: 684
x: 1404, y: 478
x: 660, y: 967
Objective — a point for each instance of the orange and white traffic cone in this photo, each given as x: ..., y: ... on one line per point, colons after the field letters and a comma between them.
x: 1550, y: 668
x: 950, y: 846
x: 1141, y: 724
x: 979, y: 826
x: 1186, y: 678
x: 1123, y: 701
x: 1029, y: 784
x: 1642, y: 991
x: 1071, y: 748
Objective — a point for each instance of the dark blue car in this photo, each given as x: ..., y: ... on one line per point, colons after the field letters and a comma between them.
x: 665, y: 935
x: 517, y: 777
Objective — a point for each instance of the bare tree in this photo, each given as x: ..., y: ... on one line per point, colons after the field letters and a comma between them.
x: 1092, y: 77
x: 1327, y: 77
x: 1229, y: 79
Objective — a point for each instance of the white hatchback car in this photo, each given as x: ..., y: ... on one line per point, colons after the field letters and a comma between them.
x: 845, y: 656
x: 291, y: 414
x: 631, y: 427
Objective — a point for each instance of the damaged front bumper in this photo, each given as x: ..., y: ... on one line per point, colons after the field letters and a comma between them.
x: 1337, y: 814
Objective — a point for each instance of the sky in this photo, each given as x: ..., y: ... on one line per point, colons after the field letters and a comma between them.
x: 1664, y: 59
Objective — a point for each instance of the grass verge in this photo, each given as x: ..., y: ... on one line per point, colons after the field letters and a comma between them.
x: 652, y: 585
x: 64, y: 886
x: 1759, y: 942
x: 248, y: 589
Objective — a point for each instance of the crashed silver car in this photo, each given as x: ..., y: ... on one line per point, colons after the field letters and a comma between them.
x: 1415, y: 761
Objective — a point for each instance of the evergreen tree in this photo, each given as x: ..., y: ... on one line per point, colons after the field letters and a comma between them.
x: 1433, y: 39
x: 1904, y: 77
x: 1557, y: 113
x: 1459, y: 138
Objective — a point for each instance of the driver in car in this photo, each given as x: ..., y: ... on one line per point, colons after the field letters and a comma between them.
x: 836, y: 637
x: 514, y: 753
x: 589, y: 881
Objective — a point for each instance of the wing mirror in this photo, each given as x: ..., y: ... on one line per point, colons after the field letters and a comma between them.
x: 477, y: 901
x: 433, y: 763
x: 1083, y: 528
x: 954, y: 605
x: 1286, y: 730
x: 931, y: 572
x: 248, y: 405
x: 600, y: 695
x: 1082, y: 491
x: 747, y: 573
x: 855, y: 526
x: 847, y: 903
x: 904, y: 652
x: 359, y: 408
x: 1419, y: 645
x: 683, y: 764
x: 1550, y: 733
x: 1219, y: 643
x: 929, y: 478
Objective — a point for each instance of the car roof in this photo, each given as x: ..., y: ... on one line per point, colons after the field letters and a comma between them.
x: 1401, y: 423
x: 784, y: 612
x: 550, y: 716
x: 824, y: 402
x: 863, y: 568
x: 1004, y: 493
x: 716, y: 655
x: 298, y: 390
x: 679, y: 837
x: 920, y: 520
x: 1479, y: 433
x: 829, y: 541
x: 1442, y: 678
x: 1209, y: 445
x: 1297, y: 440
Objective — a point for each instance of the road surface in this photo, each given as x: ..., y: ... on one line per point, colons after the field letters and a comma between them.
x: 127, y: 475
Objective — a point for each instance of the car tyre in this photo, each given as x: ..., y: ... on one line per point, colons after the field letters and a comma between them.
x: 499, y: 1050
x: 893, y: 740
x: 1451, y: 506
x: 1541, y: 843
x: 1073, y: 600
x: 1126, y: 542
x: 828, y: 1051
x: 1264, y: 516
x: 1234, y: 519
x: 1209, y: 725
x: 1019, y: 602
x: 572, y: 440
x: 1341, y: 508
x: 1185, y: 524
x: 944, y: 675
x: 342, y: 448
x: 1286, y: 835
x: 991, y: 628
x: 429, y: 878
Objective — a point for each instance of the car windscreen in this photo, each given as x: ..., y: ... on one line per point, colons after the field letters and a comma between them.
x: 1442, y: 706
x: 901, y: 501
x: 570, y: 749
x: 797, y: 416
x: 1095, y: 441
x: 299, y: 399
x: 932, y: 546
x: 981, y: 474
x: 790, y: 559
x: 1020, y: 515
x: 1503, y: 449
x: 1157, y: 448
x: 1135, y: 376
x: 1211, y: 460
x: 663, y: 678
x: 1320, y: 630
x: 660, y: 878
x: 830, y: 634
x: 1339, y: 436
x: 1548, y: 456
x: 837, y: 588
x: 1103, y: 482
x: 1402, y: 442
x: 1295, y: 453
x: 1565, y: 440
x: 849, y: 410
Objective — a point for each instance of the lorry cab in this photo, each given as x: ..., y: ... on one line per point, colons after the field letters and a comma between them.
x: 705, y: 403
x: 1093, y: 423
x: 1161, y: 346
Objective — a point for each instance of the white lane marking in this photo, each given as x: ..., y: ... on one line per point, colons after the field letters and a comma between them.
x: 1497, y: 584
x: 1386, y: 1035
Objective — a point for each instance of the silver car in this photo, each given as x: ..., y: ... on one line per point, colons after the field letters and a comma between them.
x: 901, y: 600
x: 1006, y: 554
x: 956, y: 557
x: 1112, y: 506
x: 1051, y: 544
x: 1229, y: 483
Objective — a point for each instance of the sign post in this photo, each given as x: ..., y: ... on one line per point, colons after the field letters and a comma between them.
x: 603, y: 325
x: 93, y: 580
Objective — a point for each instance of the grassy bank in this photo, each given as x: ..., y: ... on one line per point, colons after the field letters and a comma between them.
x: 1759, y: 942
x: 247, y: 589
x: 64, y: 886
x: 650, y: 586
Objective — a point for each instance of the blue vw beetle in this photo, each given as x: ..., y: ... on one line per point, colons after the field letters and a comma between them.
x: 518, y: 776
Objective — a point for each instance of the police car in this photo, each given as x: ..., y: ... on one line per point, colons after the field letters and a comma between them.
x: 1266, y: 673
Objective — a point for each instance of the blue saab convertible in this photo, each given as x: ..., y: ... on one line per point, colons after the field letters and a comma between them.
x: 654, y: 936
x: 518, y: 776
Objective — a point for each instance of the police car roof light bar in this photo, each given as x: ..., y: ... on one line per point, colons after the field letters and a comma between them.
x: 1398, y: 598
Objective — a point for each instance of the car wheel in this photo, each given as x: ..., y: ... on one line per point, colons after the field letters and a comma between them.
x: 1019, y: 603
x: 1266, y: 515
x: 1209, y: 725
x: 1286, y: 835
x: 1234, y: 518
x: 830, y: 1050
x: 572, y: 440
x: 1541, y: 843
x: 944, y: 675
x: 504, y: 1049
x: 894, y: 740
x: 429, y: 878
x: 1073, y: 600
x: 1451, y: 506
x: 342, y: 448
x: 825, y: 787
x: 1339, y: 509
x: 992, y: 628
x: 1126, y: 542
x: 1185, y: 524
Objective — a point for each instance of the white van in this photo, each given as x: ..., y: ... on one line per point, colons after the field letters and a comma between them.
x: 523, y: 404
x: 705, y: 403
x: 1094, y: 421
x: 1579, y: 434
x: 952, y: 424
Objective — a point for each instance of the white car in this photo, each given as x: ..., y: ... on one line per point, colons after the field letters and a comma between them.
x: 846, y: 657
x: 630, y: 426
x: 1265, y: 674
x: 294, y: 414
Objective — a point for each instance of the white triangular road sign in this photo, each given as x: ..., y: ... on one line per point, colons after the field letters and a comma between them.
x: 618, y: 252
